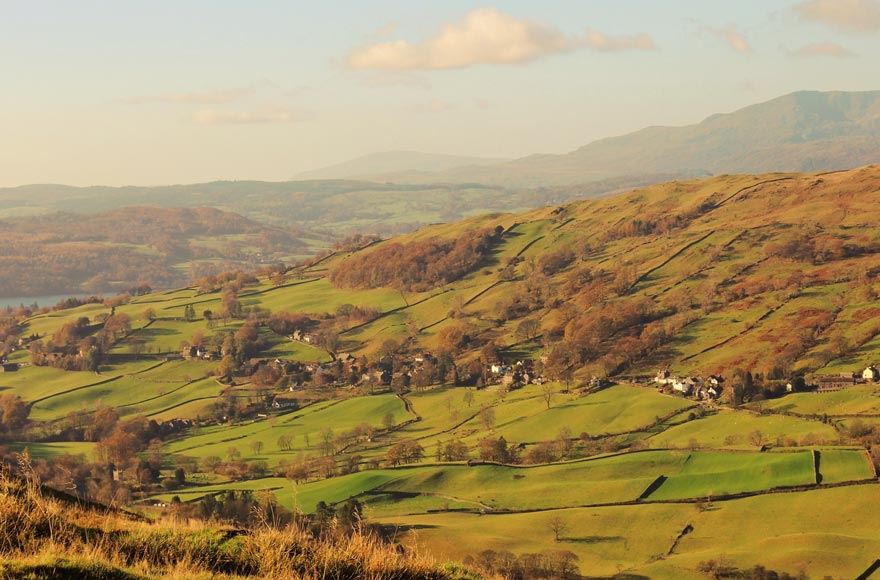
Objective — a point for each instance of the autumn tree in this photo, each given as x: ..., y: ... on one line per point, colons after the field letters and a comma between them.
x: 285, y: 442
x: 404, y: 452
x: 527, y: 329
x: 13, y: 414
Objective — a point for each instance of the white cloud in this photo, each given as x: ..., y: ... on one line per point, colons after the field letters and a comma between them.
x: 823, y: 49
x: 602, y: 42
x: 219, y: 117
x: 485, y: 36
x: 218, y: 97
x: 734, y: 38
x: 845, y: 15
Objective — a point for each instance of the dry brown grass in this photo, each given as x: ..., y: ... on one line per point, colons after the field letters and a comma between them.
x: 47, y: 536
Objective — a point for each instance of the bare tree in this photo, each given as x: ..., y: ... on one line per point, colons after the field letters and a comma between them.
x: 547, y: 393
x: 487, y: 417
x: 558, y: 526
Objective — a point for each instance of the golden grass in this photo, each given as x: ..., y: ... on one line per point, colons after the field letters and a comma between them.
x: 44, y: 534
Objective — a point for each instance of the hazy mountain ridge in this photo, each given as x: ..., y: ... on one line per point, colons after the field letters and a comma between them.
x: 374, y: 165
x: 802, y: 131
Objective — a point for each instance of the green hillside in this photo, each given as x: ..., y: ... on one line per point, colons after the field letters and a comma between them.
x: 367, y: 376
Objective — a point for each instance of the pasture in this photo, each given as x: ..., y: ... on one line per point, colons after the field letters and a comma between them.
x: 738, y: 429
x: 305, y: 426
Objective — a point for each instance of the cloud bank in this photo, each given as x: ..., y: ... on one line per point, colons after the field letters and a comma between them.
x: 485, y: 36
x: 845, y: 15
x: 604, y: 43
x: 734, y: 39
x: 831, y: 49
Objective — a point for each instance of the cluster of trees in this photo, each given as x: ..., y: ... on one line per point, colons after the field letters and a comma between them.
x: 80, y: 345
x: 720, y: 570
x: 418, y: 265
x: 814, y: 246
x: 241, y: 508
x: 404, y: 452
x: 233, y: 467
x: 661, y: 223
x: 615, y: 333
x: 559, y: 564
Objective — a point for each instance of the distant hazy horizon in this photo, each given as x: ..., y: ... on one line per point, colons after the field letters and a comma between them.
x: 152, y: 93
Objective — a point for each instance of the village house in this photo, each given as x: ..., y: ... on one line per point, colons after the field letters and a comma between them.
x: 871, y: 374
x: 8, y: 367
x: 687, y: 385
x: 498, y: 368
x: 708, y: 392
x: 664, y: 377
x: 281, y: 402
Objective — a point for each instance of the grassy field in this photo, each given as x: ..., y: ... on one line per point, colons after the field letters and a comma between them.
x: 55, y: 449
x: 614, y: 410
x: 821, y: 532
x: 857, y: 400
x: 837, y: 465
x: 304, y: 425
x: 713, y: 473
x: 150, y: 391
x: 605, y: 480
x: 36, y: 383
x: 737, y: 429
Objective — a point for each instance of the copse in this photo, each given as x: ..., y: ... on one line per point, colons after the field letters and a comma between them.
x: 419, y: 265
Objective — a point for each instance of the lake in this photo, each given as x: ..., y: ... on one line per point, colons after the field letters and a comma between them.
x: 41, y: 300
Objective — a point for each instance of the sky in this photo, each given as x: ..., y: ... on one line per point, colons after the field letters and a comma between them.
x: 160, y: 92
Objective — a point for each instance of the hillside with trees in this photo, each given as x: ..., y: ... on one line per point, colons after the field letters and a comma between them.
x: 135, y: 246
x: 609, y: 384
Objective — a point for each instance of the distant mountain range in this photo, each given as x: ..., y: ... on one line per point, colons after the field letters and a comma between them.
x: 399, y: 190
x: 803, y: 131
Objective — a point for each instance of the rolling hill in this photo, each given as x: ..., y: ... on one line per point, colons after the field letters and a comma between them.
x: 771, y: 274
x: 118, y: 249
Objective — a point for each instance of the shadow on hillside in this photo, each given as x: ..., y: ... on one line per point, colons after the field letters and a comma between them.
x: 401, y: 528
x: 593, y: 539
x: 153, y: 332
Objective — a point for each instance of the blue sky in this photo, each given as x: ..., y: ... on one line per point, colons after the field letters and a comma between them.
x: 137, y: 92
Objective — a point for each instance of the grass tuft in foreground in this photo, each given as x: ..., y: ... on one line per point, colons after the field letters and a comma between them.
x: 48, y: 535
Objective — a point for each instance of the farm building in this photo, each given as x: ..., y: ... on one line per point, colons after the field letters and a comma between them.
x: 830, y: 383
x: 871, y: 374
